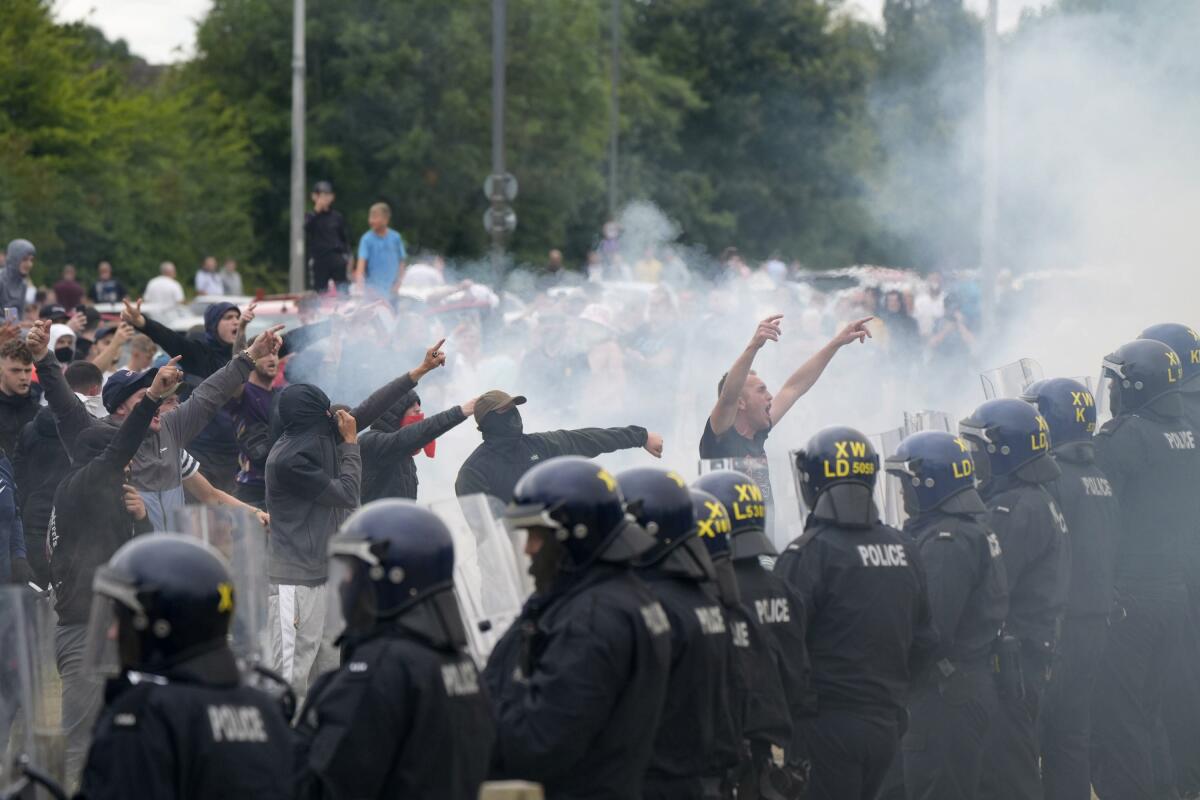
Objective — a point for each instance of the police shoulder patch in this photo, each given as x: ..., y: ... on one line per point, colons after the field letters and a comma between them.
x: 1110, y: 427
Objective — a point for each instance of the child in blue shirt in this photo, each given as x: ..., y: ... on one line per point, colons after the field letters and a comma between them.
x: 381, y: 253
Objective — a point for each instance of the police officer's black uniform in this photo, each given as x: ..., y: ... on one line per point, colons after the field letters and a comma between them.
x: 766, y: 596
x: 578, y: 682
x: 869, y: 624
x: 1182, y: 680
x: 1087, y: 501
x: 760, y: 701
x: 404, y: 715
x: 179, y: 722
x: 698, y: 741
x: 1149, y: 453
x: 954, y: 700
x: 1011, y: 444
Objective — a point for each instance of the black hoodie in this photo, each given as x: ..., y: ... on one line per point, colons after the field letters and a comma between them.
x: 17, y: 411
x: 41, y: 463
x: 389, y: 469
x: 313, y: 485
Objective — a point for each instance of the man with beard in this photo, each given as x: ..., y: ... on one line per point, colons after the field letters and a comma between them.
x: 578, y: 682
x: 508, y: 452
x: 252, y: 418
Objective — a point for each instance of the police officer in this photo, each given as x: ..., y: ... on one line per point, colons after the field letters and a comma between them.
x: 178, y: 721
x: 698, y: 741
x: 761, y: 710
x: 954, y: 700
x: 1182, y: 680
x: 778, y: 608
x: 1085, y: 496
x: 404, y: 715
x: 869, y: 624
x: 1011, y: 444
x: 578, y: 682
x: 1148, y: 452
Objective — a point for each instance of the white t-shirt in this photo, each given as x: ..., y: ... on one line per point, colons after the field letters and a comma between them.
x: 163, y: 291
x: 928, y: 310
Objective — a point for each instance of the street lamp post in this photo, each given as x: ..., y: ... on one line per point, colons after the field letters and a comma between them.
x: 614, y: 110
x: 991, y: 167
x: 296, y: 232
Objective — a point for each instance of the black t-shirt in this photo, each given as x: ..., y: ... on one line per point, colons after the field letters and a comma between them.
x: 732, y: 444
x: 325, y: 236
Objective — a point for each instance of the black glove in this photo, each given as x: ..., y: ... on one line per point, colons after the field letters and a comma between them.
x: 21, y: 573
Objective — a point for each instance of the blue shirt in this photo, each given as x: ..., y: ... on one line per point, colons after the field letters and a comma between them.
x: 383, y: 255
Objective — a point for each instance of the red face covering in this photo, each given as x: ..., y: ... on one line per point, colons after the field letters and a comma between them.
x: 409, y: 420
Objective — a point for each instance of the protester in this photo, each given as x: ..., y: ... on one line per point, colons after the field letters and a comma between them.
x: 252, y: 425
x: 19, y: 396
x: 164, y: 290
x: 62, y: 340
x: 106, y: 289
x: 18, y: 264
x: 95, y: 512
x: 390, y: 447
x: 67, y: 291
x: 14, y: 561
x: 88, y: 321
x: 110, y: 344
x: 208, y: 280
x: 142, y: 351
x: 325, y: 240
x: 314, y: 482
x: 507, y: 452
x: 381, y: 253
x: 231, y: 279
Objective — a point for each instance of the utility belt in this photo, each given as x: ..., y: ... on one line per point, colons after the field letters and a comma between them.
x: 1017, y: 662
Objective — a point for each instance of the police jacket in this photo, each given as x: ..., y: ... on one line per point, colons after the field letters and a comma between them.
x: 578, y: 684
x: 1150, y: 457
x: 1087, y: 500
x: 155, y: 468
x: 389, y: 469
x: 89, y: 521
x: 40, y: 463
x: 194, y: 732
x: 402, y: 717
x: 699, y: 733
x: 313, y: 485
x: 968, y: 589
x: 779, y: 610
x: 499, y: 462
x: 1037, y: 557
x: 869, y: 629
x: 17, y: 411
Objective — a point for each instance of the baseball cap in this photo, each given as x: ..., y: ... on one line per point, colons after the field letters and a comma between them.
x: 53, y: 312
x: 492, y: 401
x: 322, y: 186
x: 123, y: 383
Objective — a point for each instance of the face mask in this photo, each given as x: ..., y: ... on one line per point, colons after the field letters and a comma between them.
x: 65, y: 355
x: 412, y: 419
x: 507, y: 424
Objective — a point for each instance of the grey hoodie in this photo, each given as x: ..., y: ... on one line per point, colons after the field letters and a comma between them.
x: 155, y: 469
x: 12, y: 282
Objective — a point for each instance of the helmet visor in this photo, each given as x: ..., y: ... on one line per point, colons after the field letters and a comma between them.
x: 350, y: 603
x: 1108, y: 391
x: 102, y: 654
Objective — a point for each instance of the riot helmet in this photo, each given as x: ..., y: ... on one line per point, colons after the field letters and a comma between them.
x: 712, y: 528
x: 161, y: 599
x: 394, y: 560
x: 743, y: 500
x: 936, y: 471
x: 1139, y: 373
x: 1185, y: 341
x: 1008, y: 437
x: 660, y: 502
x: 579, y: 505
x: 837, y: 470
x: 1068, y: 408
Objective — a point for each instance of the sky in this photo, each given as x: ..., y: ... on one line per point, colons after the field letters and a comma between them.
x: 162, y: 31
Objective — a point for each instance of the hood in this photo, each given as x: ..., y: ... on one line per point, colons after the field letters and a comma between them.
x: 58, y: 330
x: 91, y: 443
x: 392, y: 420
x: 303, y: 407
x: 18, y: 250
x: 212, y: 315
x: 44, y: 424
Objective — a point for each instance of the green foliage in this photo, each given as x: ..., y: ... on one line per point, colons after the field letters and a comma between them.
x: 103, y: 157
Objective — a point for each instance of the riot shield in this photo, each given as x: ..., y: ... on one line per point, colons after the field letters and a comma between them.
x: 489, y: 571
x: 889, y: 496
x: 917, y: 421
x: 1010, y: 380
x: 238, y: 535
x: 30, y: 729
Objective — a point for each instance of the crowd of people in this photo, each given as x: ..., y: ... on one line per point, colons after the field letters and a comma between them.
x: 1014, y: 640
